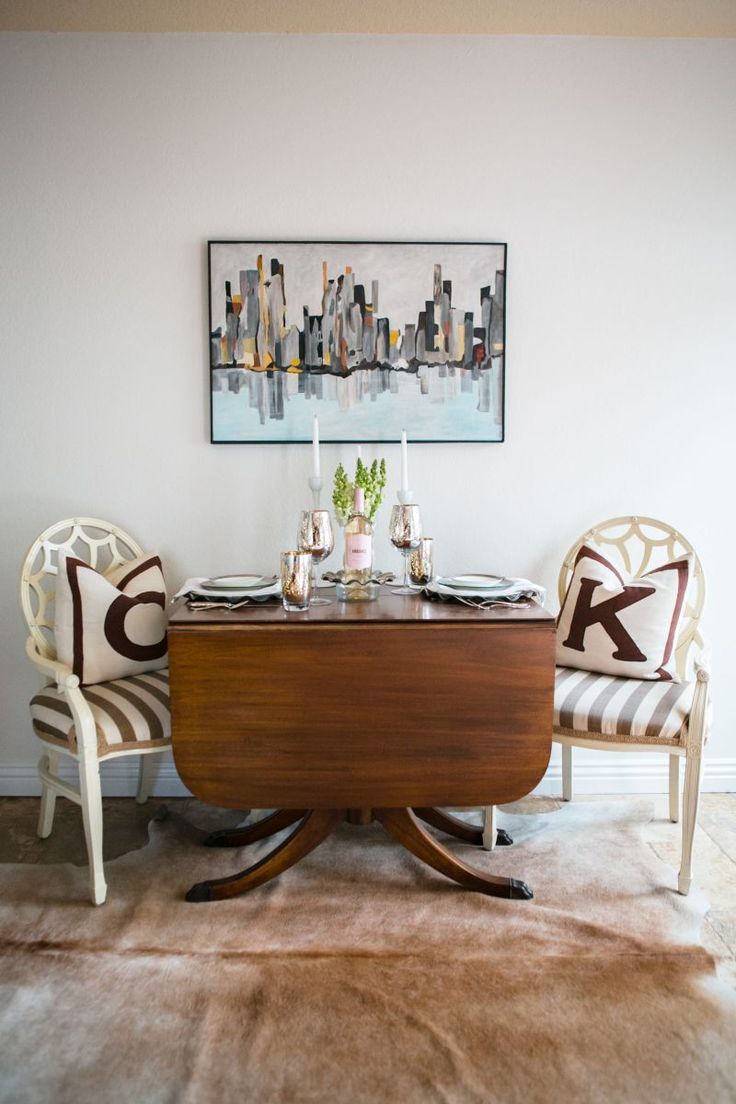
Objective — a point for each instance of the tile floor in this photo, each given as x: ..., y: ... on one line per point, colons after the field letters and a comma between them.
x: 126, y: 829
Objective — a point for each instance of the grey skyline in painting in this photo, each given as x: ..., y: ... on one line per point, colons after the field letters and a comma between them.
x: 349, y: 332
x: 341, y: 333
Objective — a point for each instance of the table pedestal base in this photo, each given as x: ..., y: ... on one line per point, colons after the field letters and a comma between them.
x: 316, y: 824
x: 268, y: 826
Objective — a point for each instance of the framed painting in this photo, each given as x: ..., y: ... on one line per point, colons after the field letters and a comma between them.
x: 373, y: 337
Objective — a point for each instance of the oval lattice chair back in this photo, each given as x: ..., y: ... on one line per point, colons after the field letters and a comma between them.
x: 99, y: 543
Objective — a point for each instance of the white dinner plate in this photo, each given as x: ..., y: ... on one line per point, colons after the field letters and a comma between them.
x: 238, y: 582
x: 473, y: 582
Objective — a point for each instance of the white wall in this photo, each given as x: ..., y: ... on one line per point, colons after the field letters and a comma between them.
x: 609, y: 166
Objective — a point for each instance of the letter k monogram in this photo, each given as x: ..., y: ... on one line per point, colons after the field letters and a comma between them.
x: 605, y: 615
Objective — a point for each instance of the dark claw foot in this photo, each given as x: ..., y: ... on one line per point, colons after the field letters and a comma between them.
x: 199, y: 892
x: 218, y: 839
x: 503, y: 839
x: 518, y: 891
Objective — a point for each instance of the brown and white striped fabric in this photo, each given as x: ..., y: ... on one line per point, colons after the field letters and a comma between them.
x: 622, y: 710
x: 130, y: 714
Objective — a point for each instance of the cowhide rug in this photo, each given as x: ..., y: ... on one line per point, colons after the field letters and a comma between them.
x: 362, y: 976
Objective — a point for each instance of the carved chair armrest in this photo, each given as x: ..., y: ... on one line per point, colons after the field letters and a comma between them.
x: 68, y: 685
x: 62, y: 675
x: 700, y: 710
x: 701, y: 664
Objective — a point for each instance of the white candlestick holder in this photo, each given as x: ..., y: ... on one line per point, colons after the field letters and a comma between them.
x: 316, y: 483
x: 406, y: 498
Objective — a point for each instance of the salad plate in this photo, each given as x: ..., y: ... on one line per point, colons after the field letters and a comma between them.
x: 473, y: 582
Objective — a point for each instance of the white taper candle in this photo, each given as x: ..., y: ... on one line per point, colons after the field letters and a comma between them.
x: 315, y: 448
x: 404, y: 463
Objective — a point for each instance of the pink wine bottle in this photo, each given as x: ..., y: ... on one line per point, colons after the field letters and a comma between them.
x: 358, y: 558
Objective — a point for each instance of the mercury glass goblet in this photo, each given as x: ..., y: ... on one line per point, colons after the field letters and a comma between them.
x: 315, y: 535
x: 405, y: 532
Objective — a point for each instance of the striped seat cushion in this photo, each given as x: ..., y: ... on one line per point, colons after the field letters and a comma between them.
x: 129, y: 713
x: 622, y: 710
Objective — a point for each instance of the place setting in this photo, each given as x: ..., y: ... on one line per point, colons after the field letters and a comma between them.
x: 484, y: 591
x: 229, y: 591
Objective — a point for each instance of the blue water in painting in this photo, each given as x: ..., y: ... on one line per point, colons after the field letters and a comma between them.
x: 372, y: 419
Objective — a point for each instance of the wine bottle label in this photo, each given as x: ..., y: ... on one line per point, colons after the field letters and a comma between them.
x: 358, y: 551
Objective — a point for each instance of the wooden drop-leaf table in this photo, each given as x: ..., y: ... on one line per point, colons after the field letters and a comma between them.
x: 389, y: 710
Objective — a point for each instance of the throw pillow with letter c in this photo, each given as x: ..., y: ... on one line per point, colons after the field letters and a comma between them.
x: 113, y: 625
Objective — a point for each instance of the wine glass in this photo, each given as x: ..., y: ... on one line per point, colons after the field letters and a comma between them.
x: 405, y: 532
x: 315, y: 535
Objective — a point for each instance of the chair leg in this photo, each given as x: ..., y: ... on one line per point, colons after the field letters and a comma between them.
x: 566, y: 772
x: 690, y: 803
x: 489, y: 828
x: 674, y: 788
x: 89, y: 785
x: 145, y: 779
x: 50, y: 762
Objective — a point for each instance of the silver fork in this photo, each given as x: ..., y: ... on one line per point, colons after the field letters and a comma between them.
x: 487, y: 603
x: 221, y: 605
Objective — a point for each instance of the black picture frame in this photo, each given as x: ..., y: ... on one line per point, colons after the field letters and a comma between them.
x: 225, y: 331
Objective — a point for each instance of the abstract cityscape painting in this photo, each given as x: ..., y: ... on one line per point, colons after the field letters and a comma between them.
x: 373, y: 337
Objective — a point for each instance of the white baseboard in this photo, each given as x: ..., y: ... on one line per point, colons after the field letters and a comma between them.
x: 119, y: 779
x: 628, y: 774
x: 634, y: 774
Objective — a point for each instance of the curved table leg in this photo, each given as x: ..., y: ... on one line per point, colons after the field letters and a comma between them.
x: 315, y: 827
x: 267, y: 826
x: 453, y: 826
x: 403, y: 825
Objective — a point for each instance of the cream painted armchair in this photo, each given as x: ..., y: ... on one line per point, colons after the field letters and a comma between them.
x: 643, y: 543
x: 88, y: 725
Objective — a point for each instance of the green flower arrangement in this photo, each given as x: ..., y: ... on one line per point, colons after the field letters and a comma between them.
x: 372, y: 479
